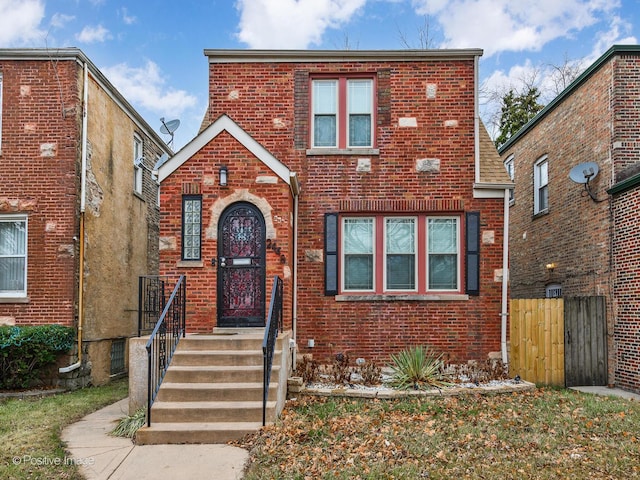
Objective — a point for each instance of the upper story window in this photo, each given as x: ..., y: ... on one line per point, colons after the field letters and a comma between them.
x: 342, y: 113
x: 13, y: 256
x: 137, y: 168
x: 191, y: 227
x: 510, y: 167
x: 400, y: 254
x: 541, y: 186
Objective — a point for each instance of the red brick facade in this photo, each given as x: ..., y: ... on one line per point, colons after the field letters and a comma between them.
x: 44, y: 198
x: 589, y: 243
x: 425, y: 110
x: 41, y: 164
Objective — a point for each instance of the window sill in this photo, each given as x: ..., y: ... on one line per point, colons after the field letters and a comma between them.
x: 138, y: 195
x: 541, y: 213
x: 190, y: 264
x: 343, y: 151
x: 14, y: 299
x: 430, y: 297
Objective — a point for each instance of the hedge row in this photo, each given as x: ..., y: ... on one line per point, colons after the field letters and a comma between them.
x: 25, y: 352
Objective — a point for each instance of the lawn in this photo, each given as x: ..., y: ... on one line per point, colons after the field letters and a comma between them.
x: 543, y: 434
x: 30, y: 430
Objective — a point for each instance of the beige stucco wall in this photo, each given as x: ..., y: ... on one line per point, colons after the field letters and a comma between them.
x: 120, y: 225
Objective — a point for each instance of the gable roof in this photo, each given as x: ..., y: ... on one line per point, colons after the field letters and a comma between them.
x: 225, y: 124
x: 491, y: 169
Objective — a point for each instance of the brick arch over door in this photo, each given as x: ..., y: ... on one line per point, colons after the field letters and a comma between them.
x: 243, y: 195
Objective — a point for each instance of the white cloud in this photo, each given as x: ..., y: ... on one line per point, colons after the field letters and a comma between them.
x: 291, y: 24
x: 507, y: 25
x: 20, y: 21
x: 126, y: 18
x: 90, y: 34
x: 59, y: 20
x: 145, y: 88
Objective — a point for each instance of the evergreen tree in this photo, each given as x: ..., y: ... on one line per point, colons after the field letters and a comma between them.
x: 517, y: 110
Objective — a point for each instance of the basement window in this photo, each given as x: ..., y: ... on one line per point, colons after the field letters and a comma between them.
x: 117, y: 356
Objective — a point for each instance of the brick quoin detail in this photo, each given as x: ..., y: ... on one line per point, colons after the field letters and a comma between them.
x: 270, y: 101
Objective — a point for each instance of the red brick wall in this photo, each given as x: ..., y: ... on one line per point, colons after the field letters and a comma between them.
x: 591, y: 243
x: 626, y: 238
x: 40, y: 104
x: 200, y: 176
x: 626, y: 246
x: 270, y: 102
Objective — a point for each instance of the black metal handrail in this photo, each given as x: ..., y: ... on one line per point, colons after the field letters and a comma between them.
x: 164, y: 339
x: 152, y: 298
x: 274, y: 325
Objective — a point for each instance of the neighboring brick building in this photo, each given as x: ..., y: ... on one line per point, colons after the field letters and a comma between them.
x: 563, y: 242
x: 78, y: 220
x: 365, y: 179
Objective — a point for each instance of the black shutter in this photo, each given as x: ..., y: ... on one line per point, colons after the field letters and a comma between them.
x: 473, y: 253
x: 331, y: 254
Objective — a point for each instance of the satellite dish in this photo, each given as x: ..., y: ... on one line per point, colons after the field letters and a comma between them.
x: 584, y: 172
x: 169, y: 127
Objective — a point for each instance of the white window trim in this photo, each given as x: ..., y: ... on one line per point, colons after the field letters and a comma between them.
x: 18, y: 293
x: 415, y: 254
x: 348, y: 112
x: 537, y: 185
x: 313, y: 112
x: 342, y: 254
x: 459, y: 254
x: 510, y: 161
x: 137, y: 171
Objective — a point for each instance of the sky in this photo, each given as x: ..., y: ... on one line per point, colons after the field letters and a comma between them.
x: 152, y: 50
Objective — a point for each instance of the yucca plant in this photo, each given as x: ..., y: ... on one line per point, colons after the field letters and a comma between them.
x: 129, y: 425
x: 418, y: 368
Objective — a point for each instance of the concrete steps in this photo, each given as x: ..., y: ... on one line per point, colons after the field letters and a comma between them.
x: 212, y: 391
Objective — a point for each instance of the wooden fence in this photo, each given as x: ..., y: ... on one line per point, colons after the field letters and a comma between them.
x: 537, y: 340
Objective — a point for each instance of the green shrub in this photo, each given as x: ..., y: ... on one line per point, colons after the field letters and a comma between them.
x: 129, y: 425
x: 26, y: 351
x: 418, y: 368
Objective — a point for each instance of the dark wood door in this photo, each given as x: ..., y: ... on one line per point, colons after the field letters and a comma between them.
x: 585, y: 341
x: 241, y: 267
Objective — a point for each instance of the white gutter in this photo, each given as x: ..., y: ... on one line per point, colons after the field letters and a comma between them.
x: 83, y: 193
x: 505, y: 279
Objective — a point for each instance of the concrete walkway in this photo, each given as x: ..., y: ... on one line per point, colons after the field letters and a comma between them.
x: 103, y: 457
x: 615, y: 392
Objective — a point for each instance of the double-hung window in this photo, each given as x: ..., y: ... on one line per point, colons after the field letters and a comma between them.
x: 387, y: 254
x: 13, y: 256
x: 191, y: 227
x: 137, y: 168
x: 442, y: 253
x: 342, y: 113
x: 541, y: 186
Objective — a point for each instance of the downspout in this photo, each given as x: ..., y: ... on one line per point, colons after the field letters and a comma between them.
x: 295, y: 190
x: 83, y: 192
x: 505, y: 279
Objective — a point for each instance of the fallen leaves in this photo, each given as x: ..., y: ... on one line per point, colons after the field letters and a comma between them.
x: 541, y: 434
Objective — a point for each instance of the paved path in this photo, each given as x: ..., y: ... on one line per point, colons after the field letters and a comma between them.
x: 103, y: 457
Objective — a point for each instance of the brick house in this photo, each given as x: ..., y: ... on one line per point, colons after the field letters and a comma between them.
x: 570, y: 239
x: 365, y: 179
x: 78, y: 217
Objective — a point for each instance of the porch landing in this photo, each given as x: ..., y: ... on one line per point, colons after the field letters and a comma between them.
x: 212, y: 391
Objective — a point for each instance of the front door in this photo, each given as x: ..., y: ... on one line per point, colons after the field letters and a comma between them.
x: 241, y: 267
